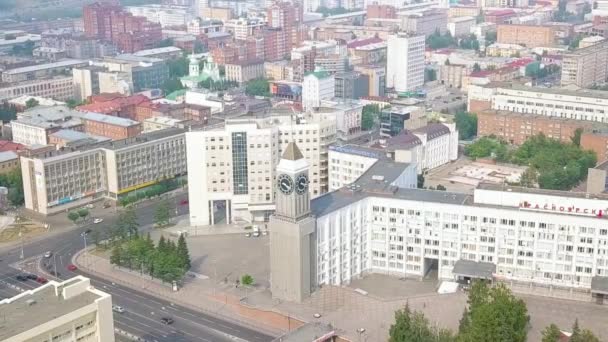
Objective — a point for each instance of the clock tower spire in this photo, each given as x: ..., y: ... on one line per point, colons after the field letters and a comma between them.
x: 292, y: 230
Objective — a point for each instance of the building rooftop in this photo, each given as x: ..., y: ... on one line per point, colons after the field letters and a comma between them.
x: 131, y: 58
x: 49, y: 117
x: 362, y: 42
x: 558, y: 193
x: 72, y: 135
x: 34, y: 68
x: 292, y: 152
x: 361, y: 151
x: 8, y: 155
x: 33, y: 308
x: 318, y: 74
x: 474, y: 269
x: 6, y: 145
x: 157, y: 51
x: 433, y: 130
x: 110, y: 103
x: 42, y: 101
x: 109, y: 119
x: 589, y: 93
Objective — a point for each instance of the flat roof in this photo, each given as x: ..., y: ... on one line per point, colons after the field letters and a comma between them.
x: 359, y: 151
x: 72, y: 135
x: 559, y: 193
x: 8, y: 155
x: 148, y: 52
x: 308, y: 332
x: 474, y: 269
x: 599, y: 285
x: 590, y: 93
x: 32, y: 68
x: 36, y: 307
x: 109, y: 119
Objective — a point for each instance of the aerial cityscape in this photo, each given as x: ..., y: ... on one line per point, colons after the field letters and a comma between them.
x: 304, y: 170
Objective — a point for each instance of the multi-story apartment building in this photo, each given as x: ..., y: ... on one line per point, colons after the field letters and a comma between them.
x: 145, y: 72
x: 33, y: 72
x: 376, y: 78
x: 516, y: 128
x: 461, y: 26
x: 33, y: 126
x: 425, y: 23
x: 245, y: 71
x: 539, y: 237
x: 111, y: 22
x: 113, y: 127
x: 69, y: 311
x: 9, y: 161
x: 165, y: 15
x: 76, y: 45
x: 395, y: 119
x: 405, y: 62
x: 571, y: 104
x: 67, y: 179
x: 58, y: 88
x: 242, y: 28
x: 529, y: 35
x: 316, y: 87
x: 586, y: 66
x: 451, y: 75
x: 233, y: 169
x: 381, y: 11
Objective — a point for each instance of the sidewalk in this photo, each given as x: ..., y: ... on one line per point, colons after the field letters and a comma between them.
x: 197, y: 294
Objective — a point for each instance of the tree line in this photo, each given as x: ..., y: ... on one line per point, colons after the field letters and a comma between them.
x: 166, y: 260
x: 14, y: 183
x: 492, y: 314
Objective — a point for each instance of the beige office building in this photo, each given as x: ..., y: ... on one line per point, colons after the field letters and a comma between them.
x: 232, y: 169
x: 57, y: 88
x: 585, y: 67
x: 70, y: 311
x: 65, y: 180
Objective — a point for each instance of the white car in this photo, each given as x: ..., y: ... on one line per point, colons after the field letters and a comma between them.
x: 118, y: 309
x: 97, y: 220
x: 48, y: 254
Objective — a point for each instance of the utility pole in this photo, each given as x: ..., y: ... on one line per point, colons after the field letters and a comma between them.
x: 55, y: 264
x: 86, y: 258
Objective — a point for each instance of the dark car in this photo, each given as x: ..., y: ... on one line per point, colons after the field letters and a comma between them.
x: 32, y: 276
x: 166, y: 320
x: 21, y: 277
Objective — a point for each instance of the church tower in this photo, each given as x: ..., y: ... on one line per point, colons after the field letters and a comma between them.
x: 292, y: 238
x: 194, y: 67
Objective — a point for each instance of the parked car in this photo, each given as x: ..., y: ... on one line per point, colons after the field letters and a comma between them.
x: 48, y: 254
x: 106, y: 205
x: 166, y: 320
x: 21, y: 277
x: 183, y: 202
x: 97, y: 220
x: 90, y: 206
x: 117, y: 308
x: 256, y: 231
x: 32, y: 276
x: 72, y: 267
x: 42, y: 280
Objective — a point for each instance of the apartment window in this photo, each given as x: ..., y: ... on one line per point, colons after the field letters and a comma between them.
x: 239, y: 163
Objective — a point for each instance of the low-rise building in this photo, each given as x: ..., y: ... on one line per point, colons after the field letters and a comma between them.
x: 72, y: 310
x: 39, y: 71
x: 596, y: 140
x: 74, y: 139
x: 395, y: 119
x: 451, y: 74
x: 316, y: 87
x: 113, y: 127
x: 528, y: 35
x: 33, y: 126
x: 168, y: 52
x: 106, y: 170
x: 505, y: 50
x: 425, y: 22
x: 244, y: 71
x: 516, y: 128
x: 160, y: 122
x: 585, y: 67
x: 376, y: 78
x: 461, y: 26
x: 9, y: 161
x: 57, y: 88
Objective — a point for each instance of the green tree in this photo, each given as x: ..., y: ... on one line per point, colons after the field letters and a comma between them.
x: 165, y: 42
x: 487, y: 147
x: 182, y: 251
x: 258, y: 87
x: 476, y: 67
x: 420, y: 181
x: 73, y: 216
x: 95, y: 238
x: 463, y: 324
x: 369, y: 115
x: 116, y: 256
x: 581, y: 335
x: 8, y: 112
x: 247, y: 280
x: 490, y: 38
x: 441, y: 187
x: 438, y: 41
x: 32, y: 102
x: 466, y: 123
x: 430, y: 75
x: 171, y: 85
x: 414, y: 327
x: 495, y: 315
x: 551, y: 333
x: 127, y: 225
x: 162, y: 214
x: 83, y: 213
x: 576, y: 138
x: 14, y: 183
x: 179, y: 67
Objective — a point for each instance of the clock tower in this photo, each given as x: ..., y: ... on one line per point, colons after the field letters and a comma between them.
x: 292, y: 238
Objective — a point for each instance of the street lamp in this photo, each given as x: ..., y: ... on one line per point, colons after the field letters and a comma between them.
x: 84, y: 238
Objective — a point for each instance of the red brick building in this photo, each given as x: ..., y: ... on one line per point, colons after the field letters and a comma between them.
x: 499, y: 16
x: 113, y: 127
x: 596, y: 141
x: 114, y: 104
x: 107, y: 21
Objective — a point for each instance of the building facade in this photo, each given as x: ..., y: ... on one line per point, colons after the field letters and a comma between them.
x: 234, y: 168
x: 586, y: 66
x: 69, y: 179
x: 58, y: 88
x: 70, y: 311
x: 316, y: 87
x: 529, y: 35
x: 113, y: 127
x: 405, y: 62
x: 245, y: 71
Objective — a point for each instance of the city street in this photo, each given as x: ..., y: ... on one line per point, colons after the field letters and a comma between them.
x: 142, y: 311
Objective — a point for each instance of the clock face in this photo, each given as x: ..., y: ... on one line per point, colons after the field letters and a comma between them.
x: 301, y: 184
x: 285, y: 184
